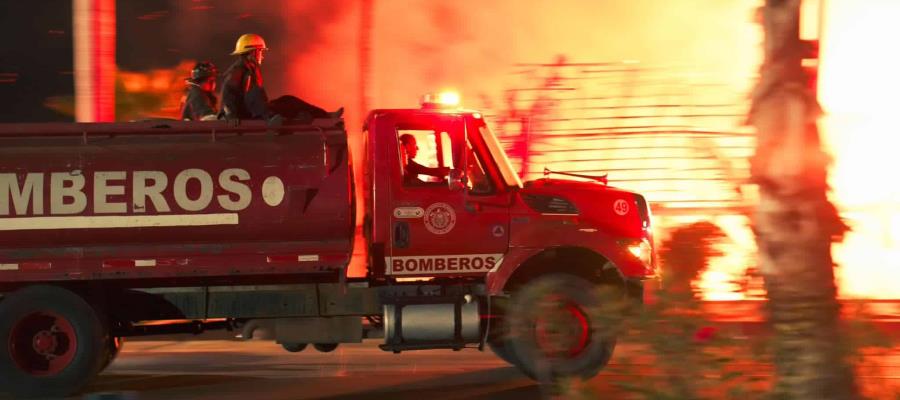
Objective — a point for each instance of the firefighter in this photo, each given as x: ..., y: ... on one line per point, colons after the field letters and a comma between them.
x: 199, y: 102
x: 243, y: 94
x: 411, y: 169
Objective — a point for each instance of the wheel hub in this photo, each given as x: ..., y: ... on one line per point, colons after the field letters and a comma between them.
x: 562, y: 329
x: 42, y: 343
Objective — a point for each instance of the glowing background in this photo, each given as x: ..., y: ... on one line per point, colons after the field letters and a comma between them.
x: 858, y: 89
x: 479, y: 48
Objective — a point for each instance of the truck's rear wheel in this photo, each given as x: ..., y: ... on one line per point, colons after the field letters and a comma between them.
x: 294, y: 347
x: 54, y: 341
x: 114, y: 346
x: 325, y: 347
x: 556, y: 329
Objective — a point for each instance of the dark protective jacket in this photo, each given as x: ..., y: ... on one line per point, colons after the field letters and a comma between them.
x: 198, y: 103
x: 243, y: 95
x: 414, y: 169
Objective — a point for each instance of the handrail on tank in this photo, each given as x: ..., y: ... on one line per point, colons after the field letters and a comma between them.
x: 161, y: 127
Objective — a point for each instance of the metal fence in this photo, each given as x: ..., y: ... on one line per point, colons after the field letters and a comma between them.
x: 669, y: 133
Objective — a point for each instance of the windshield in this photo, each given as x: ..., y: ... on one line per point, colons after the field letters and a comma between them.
x: 493, y: 145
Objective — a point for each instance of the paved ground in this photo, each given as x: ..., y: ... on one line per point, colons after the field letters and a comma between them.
x: 261, y: 370
x: 224, y: 370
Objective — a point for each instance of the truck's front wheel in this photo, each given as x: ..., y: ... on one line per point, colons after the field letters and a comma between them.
x: 54, y: 342
x: 557, y: 328
x: 503, y: 351
x: 498, y: 336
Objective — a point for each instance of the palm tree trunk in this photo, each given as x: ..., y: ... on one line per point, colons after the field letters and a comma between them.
x: 795, y: 223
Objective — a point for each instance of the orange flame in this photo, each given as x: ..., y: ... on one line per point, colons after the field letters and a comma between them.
x: 858, y: 85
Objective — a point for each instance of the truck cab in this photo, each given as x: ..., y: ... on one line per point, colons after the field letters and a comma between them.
x: 545, y: 255
x: 479, y: 220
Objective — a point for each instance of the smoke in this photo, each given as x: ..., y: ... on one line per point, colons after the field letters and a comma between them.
x: 425, y: 45
x: 420, y: 46
x: 208, y: 29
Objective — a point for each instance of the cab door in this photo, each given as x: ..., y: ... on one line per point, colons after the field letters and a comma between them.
x: 437, y: 230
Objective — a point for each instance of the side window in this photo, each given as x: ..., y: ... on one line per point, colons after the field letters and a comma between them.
x: 478, y: 181
x: 425, y: 156
x: 446, y: 150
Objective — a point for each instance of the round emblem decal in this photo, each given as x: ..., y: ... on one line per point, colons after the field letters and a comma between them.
x: 620, y: 207
x: 439, y: 218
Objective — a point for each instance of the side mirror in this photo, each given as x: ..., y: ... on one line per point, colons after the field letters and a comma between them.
x: 457, y: 180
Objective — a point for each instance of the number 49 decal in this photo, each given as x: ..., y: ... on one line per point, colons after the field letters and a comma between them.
x: 620, y: 207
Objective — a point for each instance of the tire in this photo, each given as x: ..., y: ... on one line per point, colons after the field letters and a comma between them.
x: 113, y: 346
x: 294, y: 347
x: 325, y: 347
x: 503, y: 351
x: 56, y: 342
x: 558, y: 330
x: 498, y: 332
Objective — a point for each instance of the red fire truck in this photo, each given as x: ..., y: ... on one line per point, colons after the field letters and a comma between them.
x: 118, y: 230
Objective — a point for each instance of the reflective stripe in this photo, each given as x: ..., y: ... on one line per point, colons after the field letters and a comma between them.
x: 130, y: 221
x: 33, y: 265
x: 279, y: 259
x: 9, y: 267
x: 118, y: 263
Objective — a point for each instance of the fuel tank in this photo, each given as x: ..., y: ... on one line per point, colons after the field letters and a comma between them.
x: 156, y: 198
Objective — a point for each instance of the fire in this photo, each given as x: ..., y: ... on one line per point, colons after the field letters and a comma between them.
x: 858, y: 87
x: 165, y: 86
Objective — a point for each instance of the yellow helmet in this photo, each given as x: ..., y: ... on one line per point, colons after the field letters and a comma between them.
x: 249, y: 42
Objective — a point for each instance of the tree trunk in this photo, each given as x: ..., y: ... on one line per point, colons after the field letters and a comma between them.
x: 795, y: 223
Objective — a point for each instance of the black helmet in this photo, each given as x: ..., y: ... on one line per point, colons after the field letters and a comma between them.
x: 203, y: 71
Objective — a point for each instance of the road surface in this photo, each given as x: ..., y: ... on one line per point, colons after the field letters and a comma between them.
x: 222, y: 369
x: 263, y: 370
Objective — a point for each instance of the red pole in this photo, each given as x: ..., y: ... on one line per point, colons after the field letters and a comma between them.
x: 94, y: 24
x: 365, y: 54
